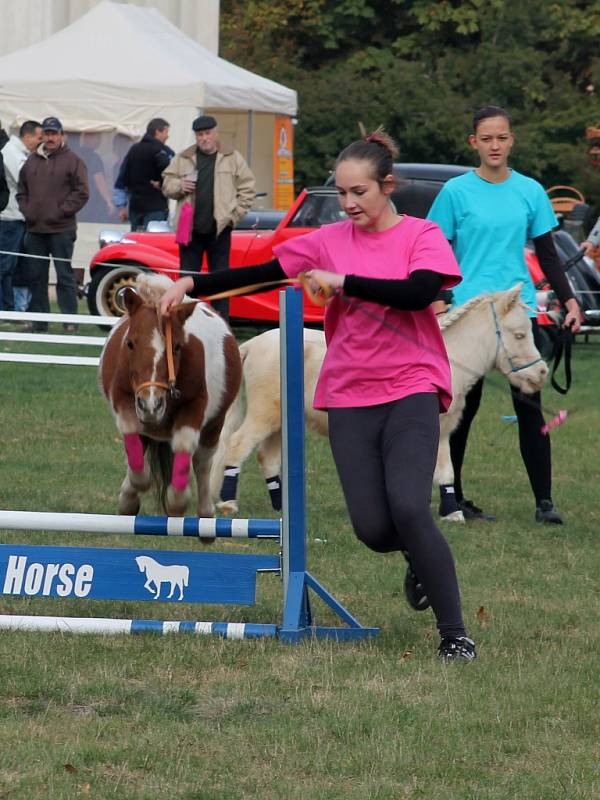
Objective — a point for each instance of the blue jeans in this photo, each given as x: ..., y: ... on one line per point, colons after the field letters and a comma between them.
x: 12, y: 232
x: 21, y: 297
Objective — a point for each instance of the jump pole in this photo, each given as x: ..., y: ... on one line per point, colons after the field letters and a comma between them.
x: 198, y: 577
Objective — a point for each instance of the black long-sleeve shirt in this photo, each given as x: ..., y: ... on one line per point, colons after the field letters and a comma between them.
x: 411, y: 294
x: 551, y: 266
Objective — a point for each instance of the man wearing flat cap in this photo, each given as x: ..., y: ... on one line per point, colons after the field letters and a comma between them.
x: 52, y: 188
x: 214, y: 189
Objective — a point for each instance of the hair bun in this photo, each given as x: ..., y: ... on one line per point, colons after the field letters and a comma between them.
x: 380, y: 137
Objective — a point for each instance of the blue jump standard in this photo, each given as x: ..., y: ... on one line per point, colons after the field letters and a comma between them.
x: 190, y: 576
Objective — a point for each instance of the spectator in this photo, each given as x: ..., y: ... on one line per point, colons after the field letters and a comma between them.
x: 12, y: 225
x: 487, y: 215
x: 52, y: 189
x: 141, y: 176
x: 214, y: 188
x: 100, y: 206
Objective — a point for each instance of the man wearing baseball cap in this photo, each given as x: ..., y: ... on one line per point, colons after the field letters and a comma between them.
x: 214, y: 189
x: 52, y: 188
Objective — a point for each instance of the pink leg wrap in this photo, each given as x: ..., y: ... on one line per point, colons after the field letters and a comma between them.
x: 181, y: 471
x: 135, y: 451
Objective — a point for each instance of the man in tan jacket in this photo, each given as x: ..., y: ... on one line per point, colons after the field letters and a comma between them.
x: 214, y: 189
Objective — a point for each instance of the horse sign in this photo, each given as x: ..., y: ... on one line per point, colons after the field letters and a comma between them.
x: 176, y: 575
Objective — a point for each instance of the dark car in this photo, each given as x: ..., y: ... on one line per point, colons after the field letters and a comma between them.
x: 418, y: 185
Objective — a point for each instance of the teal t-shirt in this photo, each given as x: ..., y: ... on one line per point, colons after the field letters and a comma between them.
x: 487, y: 225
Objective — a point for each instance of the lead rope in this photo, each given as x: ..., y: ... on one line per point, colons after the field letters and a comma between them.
x: 319, y: 298
x: 171, y: 377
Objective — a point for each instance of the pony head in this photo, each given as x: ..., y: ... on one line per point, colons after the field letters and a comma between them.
x: 517, y: 357
x: 147, y: 354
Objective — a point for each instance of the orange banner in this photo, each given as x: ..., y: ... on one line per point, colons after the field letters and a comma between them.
x: 283, y: 164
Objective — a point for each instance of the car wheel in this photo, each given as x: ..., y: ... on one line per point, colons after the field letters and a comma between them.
x: 105, y: 291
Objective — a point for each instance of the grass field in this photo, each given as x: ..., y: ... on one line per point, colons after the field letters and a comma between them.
x: 207, y: 719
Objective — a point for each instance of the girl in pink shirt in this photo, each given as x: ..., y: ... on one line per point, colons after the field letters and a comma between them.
x: 385, y: 377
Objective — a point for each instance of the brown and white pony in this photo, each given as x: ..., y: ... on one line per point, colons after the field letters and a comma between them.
x: 490, y: 331
x: 168, y: 426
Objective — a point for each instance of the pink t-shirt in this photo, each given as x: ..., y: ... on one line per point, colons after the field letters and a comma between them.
x: 376, y: 354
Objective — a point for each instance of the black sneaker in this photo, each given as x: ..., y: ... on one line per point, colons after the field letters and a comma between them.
x: 415, y: 591
x: 471, y: 511
x: 457, y: 649
x: 546, y: 512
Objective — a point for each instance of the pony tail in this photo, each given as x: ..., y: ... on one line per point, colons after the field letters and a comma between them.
x: 381, y: 137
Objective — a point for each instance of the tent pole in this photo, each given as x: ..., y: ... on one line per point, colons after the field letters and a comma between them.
x: 250, y: 142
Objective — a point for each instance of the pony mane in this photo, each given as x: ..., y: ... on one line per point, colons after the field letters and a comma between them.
x: 152, y: 286
x: 470, y: 305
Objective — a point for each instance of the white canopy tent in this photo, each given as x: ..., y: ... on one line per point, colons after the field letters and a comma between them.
x: 120, y: 65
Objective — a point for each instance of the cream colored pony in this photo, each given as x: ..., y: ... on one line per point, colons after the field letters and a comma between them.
x: 490, y: 331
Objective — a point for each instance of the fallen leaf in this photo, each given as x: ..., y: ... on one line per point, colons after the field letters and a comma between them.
x: 482, y: 616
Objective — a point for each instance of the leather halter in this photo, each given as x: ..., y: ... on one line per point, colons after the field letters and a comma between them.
x: 500, y: 343
x: 167, y: 336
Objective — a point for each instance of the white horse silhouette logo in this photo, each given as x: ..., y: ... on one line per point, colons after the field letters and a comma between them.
x: 177, y: 575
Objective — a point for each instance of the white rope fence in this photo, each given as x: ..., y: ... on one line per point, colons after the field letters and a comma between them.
x: 84, y: 264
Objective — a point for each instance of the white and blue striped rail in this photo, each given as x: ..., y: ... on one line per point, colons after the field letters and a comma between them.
x: 227, y: 630
x: 206, y: 528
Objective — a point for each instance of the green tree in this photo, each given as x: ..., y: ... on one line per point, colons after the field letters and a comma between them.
x: 420, y: 68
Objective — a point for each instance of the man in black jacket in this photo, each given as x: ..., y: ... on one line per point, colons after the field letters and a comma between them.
x: 142, y: 176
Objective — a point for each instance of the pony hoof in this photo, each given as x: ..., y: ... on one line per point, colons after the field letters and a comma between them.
x: 227, y: 507
x: 128, y: 506
x: 208, y: 512
x: 177, y: 502
x: 455, y: 516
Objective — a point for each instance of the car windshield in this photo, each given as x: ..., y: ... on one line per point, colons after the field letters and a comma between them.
x: 317, y: 210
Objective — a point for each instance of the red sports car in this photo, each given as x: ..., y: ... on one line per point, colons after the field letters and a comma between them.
x: 122, y: 257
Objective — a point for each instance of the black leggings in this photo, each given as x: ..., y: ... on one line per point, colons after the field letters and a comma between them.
x: 535, y: 447
x: 385, y: 456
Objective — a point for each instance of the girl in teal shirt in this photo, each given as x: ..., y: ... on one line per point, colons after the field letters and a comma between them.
x: 488, y: 215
